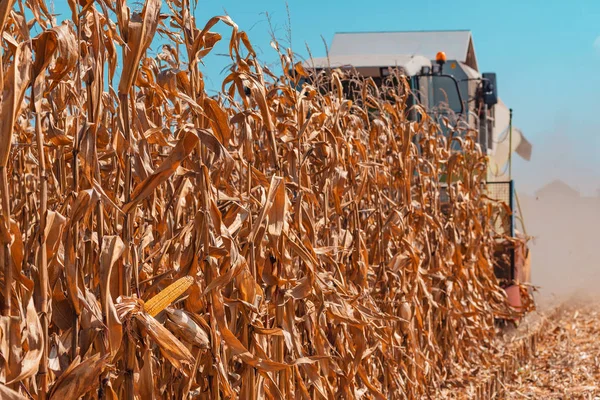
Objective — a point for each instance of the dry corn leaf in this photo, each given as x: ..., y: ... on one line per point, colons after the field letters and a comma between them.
x: 9, y: 394
x: 79, y: 378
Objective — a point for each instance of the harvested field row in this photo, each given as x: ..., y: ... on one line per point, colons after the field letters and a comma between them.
x: 551, y: 355
x: 567, y: 360
x: 294, y: 239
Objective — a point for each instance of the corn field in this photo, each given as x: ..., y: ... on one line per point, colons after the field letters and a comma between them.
x: 264, y: 243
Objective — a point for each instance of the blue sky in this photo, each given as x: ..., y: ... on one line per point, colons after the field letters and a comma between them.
x: 546, y: 55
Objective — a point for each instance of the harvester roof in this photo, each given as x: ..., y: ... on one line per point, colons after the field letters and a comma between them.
x: 458, y: 45
x: 410, y: 64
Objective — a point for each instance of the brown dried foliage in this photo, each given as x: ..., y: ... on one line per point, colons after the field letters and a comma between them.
x: 322, y: 265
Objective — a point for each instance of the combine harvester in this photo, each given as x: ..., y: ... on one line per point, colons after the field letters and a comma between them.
x: 444, y: 78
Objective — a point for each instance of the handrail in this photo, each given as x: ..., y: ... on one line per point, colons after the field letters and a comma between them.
x: 460, y: 99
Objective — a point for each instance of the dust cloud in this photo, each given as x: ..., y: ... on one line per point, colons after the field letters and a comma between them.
x: 559, y: 192
x: 565, y: 244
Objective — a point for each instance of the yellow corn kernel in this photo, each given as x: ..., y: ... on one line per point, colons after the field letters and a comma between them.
x: 159, y: 302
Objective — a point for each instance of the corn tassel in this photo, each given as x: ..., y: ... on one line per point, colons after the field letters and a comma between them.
x: 159, y: 302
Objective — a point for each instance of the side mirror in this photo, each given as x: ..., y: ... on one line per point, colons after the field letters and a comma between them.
x: 490, y: 89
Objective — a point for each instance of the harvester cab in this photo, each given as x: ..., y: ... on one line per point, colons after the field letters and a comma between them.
x: 511, y: 254
x: 443, y: 75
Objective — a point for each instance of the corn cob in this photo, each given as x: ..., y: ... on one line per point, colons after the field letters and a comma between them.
x: 159, y: 302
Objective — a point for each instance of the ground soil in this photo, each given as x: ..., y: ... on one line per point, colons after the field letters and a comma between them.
x: 567, y: 360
